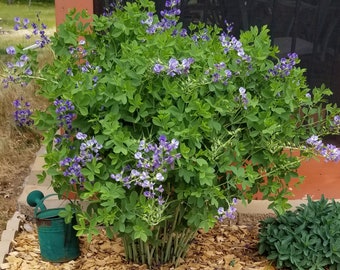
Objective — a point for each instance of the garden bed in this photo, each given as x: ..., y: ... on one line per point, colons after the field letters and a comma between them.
x: 224, y: 247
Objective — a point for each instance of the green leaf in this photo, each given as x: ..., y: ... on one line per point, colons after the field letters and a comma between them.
x: 207, y: 176
x: 184, y: 150
x: 186, y: 174
x: 207, y: 224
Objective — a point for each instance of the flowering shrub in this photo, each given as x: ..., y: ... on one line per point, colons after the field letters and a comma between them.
x: 164, y: 127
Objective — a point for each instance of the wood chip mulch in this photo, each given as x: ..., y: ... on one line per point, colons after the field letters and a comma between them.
x: 223, y: 248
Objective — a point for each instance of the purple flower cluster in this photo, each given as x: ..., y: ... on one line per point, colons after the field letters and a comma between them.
x: 152, y: 164
x: 37, y: 31
x: 230, y: 213
x: 108, y: 11
x: 329, y: 151
x: 243, y: 97
x: 22, y: 115
x: 229, y: 43
x: 65, y: 114
x: 220, y: 74
x: 285, y: 65
x: 174, y: 67
x: 203, y: 36
x: 169, y: 17
x: 18, y: 24
x: 182, y: 33
x: 78, y: 52
x: 87, y: 67
x: 18, y: 70
x: 88, y: 150
x: 336, y: 123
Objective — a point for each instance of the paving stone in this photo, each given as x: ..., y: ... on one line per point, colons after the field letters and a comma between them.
x: 41, y: 151
x: 38, y: 164
x: 14, y: 222
x: 4, y: 249
x: 32, y: 179
x: 8, y: 235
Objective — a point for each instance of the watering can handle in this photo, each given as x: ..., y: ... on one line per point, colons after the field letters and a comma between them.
x: 41, y: 203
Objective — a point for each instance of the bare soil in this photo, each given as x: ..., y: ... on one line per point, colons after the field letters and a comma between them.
x: 17, y: 153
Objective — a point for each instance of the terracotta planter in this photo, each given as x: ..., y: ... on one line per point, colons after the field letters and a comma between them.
x: 71, y: 195
x: 62, y: 7
x: 320, y: 178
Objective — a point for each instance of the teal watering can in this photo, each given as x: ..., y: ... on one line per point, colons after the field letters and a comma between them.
x: 58, y: 241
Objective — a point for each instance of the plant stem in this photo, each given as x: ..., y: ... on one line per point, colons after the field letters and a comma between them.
x: 141, y: 250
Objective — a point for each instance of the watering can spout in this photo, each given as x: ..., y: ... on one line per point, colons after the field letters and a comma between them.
x: 34, y: 199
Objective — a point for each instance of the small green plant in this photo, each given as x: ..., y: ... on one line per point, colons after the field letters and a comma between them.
x: 307, y: 238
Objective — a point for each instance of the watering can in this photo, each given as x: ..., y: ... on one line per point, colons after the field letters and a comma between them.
x: 58, y: 241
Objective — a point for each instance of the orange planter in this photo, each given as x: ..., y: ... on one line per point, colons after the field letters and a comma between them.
x: 320, y: 178
x: 62, y: 7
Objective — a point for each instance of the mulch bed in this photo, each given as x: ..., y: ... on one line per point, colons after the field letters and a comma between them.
x: 225, y: 247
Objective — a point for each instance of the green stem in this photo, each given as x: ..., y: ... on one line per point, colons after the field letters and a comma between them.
x: 155, y: 248
x: 168, y: 247
x: 141, y: 251
x: 39, y: 78
x: 171, y: 233
x: 127, y: 248
x: 135, y: 252
x: 148, y: 254
x: 184, y: 244
x: 167, y: 244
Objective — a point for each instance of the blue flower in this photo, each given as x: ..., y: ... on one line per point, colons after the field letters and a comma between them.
x: 81, y: 136
x: 158, y: 68
x: 159, y: 177
x: 25, y: 21
x: 10, y: 50
x: 336, y: 120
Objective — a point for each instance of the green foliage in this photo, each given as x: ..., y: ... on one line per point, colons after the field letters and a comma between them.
x: 216, y: 131
x: 307, y: 238
x: 231, y: 114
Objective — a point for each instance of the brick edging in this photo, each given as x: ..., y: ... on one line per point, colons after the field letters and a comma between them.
x: 9, y: 234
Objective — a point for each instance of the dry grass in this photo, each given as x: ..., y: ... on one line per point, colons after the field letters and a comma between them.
x: 17, y: 145
x: 17, y: 152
